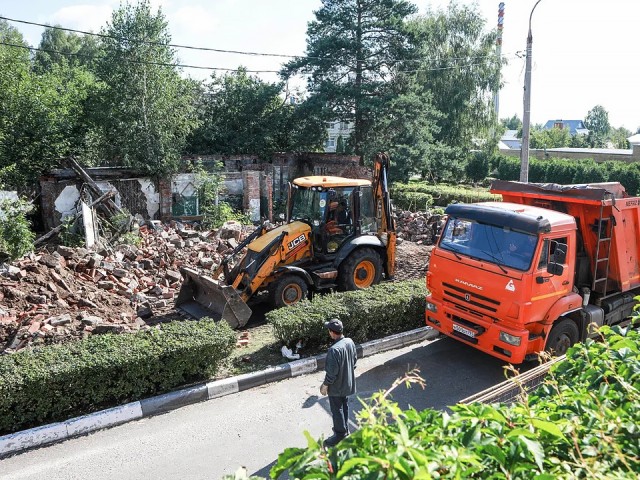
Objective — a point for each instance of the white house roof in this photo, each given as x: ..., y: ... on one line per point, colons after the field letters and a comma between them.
x: 634, y: 139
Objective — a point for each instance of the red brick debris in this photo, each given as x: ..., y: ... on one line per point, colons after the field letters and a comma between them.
x: 61, y: 293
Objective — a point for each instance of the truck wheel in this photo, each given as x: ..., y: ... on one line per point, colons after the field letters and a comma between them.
x: 287, y: 290
x: 361, y: 269
x: 563, y: 334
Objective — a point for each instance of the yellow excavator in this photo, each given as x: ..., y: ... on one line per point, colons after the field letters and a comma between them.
x: 339, y: 233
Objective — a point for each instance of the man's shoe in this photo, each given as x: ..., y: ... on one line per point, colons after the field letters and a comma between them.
x: 334, y: 439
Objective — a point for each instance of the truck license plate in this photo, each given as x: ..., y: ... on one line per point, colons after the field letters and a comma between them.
x: 465, y: 331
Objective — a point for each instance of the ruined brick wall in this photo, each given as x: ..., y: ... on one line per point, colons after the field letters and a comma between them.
x: 250, y: 183
x: 61, y: 191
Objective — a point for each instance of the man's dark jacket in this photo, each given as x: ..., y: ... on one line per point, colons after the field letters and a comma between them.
x: 339, y: 367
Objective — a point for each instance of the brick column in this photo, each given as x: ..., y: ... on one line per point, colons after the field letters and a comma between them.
x: 48, y: 194
x: 266, y: 195
x: 166, y: 198
x: 251, y: 194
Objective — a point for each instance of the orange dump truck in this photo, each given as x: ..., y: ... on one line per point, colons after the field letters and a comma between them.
x: 536, y: 271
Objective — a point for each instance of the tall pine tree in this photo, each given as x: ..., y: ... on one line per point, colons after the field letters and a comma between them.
x: 354, y: 48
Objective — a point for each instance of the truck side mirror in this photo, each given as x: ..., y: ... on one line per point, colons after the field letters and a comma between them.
x: 555, y: 268
x: 560, y: 253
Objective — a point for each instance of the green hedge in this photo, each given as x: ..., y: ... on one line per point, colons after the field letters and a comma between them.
x: 369, y: 314
x: 583, y: 423
x: 57, y: 382
x: 568, y: 171
x: 442, y: 194
x: 412, y: 201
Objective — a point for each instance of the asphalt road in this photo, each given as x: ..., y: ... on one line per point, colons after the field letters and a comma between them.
x: 250, y: 428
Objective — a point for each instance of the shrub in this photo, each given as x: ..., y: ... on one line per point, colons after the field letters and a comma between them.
x: 55, y: 382
x: 442, y: 194
x: 413, y: 201
x: 583, y: 423
x: 16, y: 237
x: 368, y: 314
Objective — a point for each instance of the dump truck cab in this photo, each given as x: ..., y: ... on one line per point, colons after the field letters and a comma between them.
x: 489, y: 277
x: 536, y: 271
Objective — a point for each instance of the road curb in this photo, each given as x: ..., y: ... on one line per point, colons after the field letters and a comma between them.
x: 56, y: 432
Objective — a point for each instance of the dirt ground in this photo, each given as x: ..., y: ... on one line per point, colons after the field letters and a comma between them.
x: 412, y: 260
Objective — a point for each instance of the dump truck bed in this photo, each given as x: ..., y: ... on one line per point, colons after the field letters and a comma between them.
x: 592, y: 205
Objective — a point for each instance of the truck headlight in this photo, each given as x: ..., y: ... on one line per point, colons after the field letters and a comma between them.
x: 432, y: 307
x: 510, y: 339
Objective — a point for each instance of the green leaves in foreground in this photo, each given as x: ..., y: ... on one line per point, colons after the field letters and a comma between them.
x: 582, y: 423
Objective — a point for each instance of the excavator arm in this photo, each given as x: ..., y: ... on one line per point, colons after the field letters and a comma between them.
x: 383, y: 209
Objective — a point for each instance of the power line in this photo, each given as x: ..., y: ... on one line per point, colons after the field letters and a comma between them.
x: 70, y: 54
x: 141, y: 62
x: 149, y: 42
x: 218, y: 50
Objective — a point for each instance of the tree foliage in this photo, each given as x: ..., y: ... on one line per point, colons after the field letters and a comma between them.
x: 550, y: 138
x: 618, y: 137
x: 354, y: 49
x: 461, y: 71
x: 242, y: 114
x: 144, y: 110
x: 42, y: 116
x: 597, y: 121
x: 513, y: 123
x: 58, y: 47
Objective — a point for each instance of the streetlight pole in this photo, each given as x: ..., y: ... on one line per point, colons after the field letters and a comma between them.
x: 526, y: 116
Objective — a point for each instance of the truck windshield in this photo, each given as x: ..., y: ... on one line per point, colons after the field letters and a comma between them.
x: 491, y: 243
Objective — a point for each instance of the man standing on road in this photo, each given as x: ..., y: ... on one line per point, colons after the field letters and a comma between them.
x: 340, y: 380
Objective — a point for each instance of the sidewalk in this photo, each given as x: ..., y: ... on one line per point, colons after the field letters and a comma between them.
x: 56, y: 432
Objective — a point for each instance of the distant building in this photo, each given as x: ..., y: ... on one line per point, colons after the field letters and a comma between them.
x: 575, y: 127
x: 334, y: 131
x: 510, y: 141
x: 634, y: 139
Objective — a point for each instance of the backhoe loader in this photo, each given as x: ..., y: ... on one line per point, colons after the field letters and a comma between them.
x: 339, y: 234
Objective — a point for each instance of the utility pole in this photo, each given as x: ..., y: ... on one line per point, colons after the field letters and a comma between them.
x: 496, y: 95
x: 526, y: 116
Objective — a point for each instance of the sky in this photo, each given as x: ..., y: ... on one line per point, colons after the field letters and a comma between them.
x: 584, y: 52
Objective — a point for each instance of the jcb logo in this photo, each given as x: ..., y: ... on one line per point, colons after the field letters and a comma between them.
x: 296, y: 241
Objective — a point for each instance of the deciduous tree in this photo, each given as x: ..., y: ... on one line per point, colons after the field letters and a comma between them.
x: 460, y: 69
x: 242, y: 114
x: 597, y: 121
x: 145, y: 110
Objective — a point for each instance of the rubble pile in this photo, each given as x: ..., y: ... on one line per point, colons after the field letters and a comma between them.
x: 50, y: 297
x: 418, y: 227
x: 63, y: 293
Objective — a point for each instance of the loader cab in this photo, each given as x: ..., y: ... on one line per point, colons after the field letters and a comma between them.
x: 337, y: 210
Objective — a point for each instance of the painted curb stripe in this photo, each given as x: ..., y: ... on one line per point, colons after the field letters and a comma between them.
x: 302, y: 367
x: 106, y: 418
x: 220, y: 388
x: 171, y: 400
x: 34, y: 437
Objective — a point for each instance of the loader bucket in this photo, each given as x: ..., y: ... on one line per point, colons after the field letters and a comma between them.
x: 202, y: 296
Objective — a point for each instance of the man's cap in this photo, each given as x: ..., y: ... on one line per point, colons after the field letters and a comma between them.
x: 334, y: 325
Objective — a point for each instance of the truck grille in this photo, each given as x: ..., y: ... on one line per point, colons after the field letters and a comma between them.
x: 470, y: 302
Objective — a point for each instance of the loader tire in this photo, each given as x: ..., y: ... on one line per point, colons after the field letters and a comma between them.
x: 361, y: 269
x: 287, y: 290
x: 562, y: 336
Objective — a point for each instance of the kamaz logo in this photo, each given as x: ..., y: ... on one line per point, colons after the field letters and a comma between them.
x: 296, y: 241
x: 467, y: 284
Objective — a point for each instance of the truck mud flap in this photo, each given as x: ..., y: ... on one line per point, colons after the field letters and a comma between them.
x: 202, y: 296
